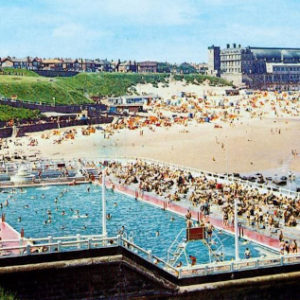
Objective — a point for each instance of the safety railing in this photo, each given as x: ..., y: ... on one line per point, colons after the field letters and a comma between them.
x: 51, y: 244
x: 31, y: 246
x: 227, y: 177
x: 241, y: 265
x: 148, y: 255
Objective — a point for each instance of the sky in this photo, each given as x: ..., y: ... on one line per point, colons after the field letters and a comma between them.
x: 163, y: 30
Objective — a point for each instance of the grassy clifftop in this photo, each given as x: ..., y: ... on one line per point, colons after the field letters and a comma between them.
x: 8, y: 113
x: 28, y: 86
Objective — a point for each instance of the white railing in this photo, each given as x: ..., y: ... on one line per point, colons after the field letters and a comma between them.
x: 231, y: 178
x: 33, y: 246
x: 241, y: 265
x: 24, y: 247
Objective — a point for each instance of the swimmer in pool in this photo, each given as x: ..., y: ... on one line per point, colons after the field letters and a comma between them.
x: 88, y: 189
x: 84, y: 227
x: 56, y: 200
x: 26, y: 206
x: 19, y: 219
x: 108, y: 216
x: 6, y: 203
x: 1, y: 205
x: 157, y: 233
x: 62, y: 227
x: 115, y: 204
x: 43, y: 196
x: 172, y: 219
x: 63, y: 213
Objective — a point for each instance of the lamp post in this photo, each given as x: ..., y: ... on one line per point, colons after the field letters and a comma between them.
x: 104, y: 232
x: 236, y: 230
x: 226, y: 156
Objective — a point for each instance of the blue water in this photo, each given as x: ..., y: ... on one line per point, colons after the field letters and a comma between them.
x: 140, y: 219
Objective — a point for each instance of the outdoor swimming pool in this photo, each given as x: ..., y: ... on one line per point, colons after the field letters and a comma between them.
x: 68, y: 217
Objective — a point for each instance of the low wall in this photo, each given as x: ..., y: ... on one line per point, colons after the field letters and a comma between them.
x: 68, y: 109
x: 49, y: 126
x: 54, y: 73
x: 6, y: 132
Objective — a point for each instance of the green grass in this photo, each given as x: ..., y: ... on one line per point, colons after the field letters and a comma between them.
x: 7, y: 295
x: 40, y: 89
x: 8, y: 113
x: 79, y: 89
x: 18, y: 72
x: 199, y: 79
x: 110, y: 84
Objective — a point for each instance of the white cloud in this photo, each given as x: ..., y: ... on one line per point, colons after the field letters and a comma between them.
x: 146, y: 12
x: 72, y: 30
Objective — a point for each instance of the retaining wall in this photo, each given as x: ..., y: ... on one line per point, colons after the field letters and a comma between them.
x: 6, y: 132
x: 49, y: 108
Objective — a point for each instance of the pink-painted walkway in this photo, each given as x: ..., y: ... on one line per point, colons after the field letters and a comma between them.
x: 9, y: 238
x: 177, y: 208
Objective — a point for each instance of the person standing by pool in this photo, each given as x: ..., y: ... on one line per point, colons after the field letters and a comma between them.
x: 286, y: 248
x: 294, y: 247
x: 122, y: 230
x: 247, y: 253
x: 209, y: 230
x: 193, y: 260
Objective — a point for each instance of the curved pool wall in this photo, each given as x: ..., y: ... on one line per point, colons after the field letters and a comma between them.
x: 151, y: 227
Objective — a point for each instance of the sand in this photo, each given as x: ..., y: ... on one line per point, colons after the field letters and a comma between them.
x: 176, y: 87
x: 248, y: 147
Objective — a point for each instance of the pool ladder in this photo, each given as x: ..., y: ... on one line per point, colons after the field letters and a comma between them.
x: 178, y: 248
x: 215, y: 247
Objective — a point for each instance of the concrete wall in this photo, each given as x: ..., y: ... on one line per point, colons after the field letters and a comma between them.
x: 116, y: 273
x: 236, y: 78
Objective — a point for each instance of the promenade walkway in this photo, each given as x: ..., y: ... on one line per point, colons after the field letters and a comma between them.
x: 9, y: 237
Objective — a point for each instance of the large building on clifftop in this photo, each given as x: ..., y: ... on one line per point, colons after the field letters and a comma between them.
x: 256, y: 67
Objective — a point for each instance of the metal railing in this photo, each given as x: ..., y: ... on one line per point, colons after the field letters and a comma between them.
x: 241, y: 265
x: 263, y: 187
x: 33, y: 246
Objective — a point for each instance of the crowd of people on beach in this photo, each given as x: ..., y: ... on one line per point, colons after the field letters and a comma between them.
x: 218, y: 109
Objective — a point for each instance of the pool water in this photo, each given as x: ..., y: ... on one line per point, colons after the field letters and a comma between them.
x: 141, y: 220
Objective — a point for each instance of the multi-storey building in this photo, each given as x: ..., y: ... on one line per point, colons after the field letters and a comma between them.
x: 256, y: 66
x: 147, y: 67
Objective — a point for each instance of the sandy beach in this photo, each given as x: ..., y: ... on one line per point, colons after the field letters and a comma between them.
x: 246, y: 147
x: 261, y: 138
